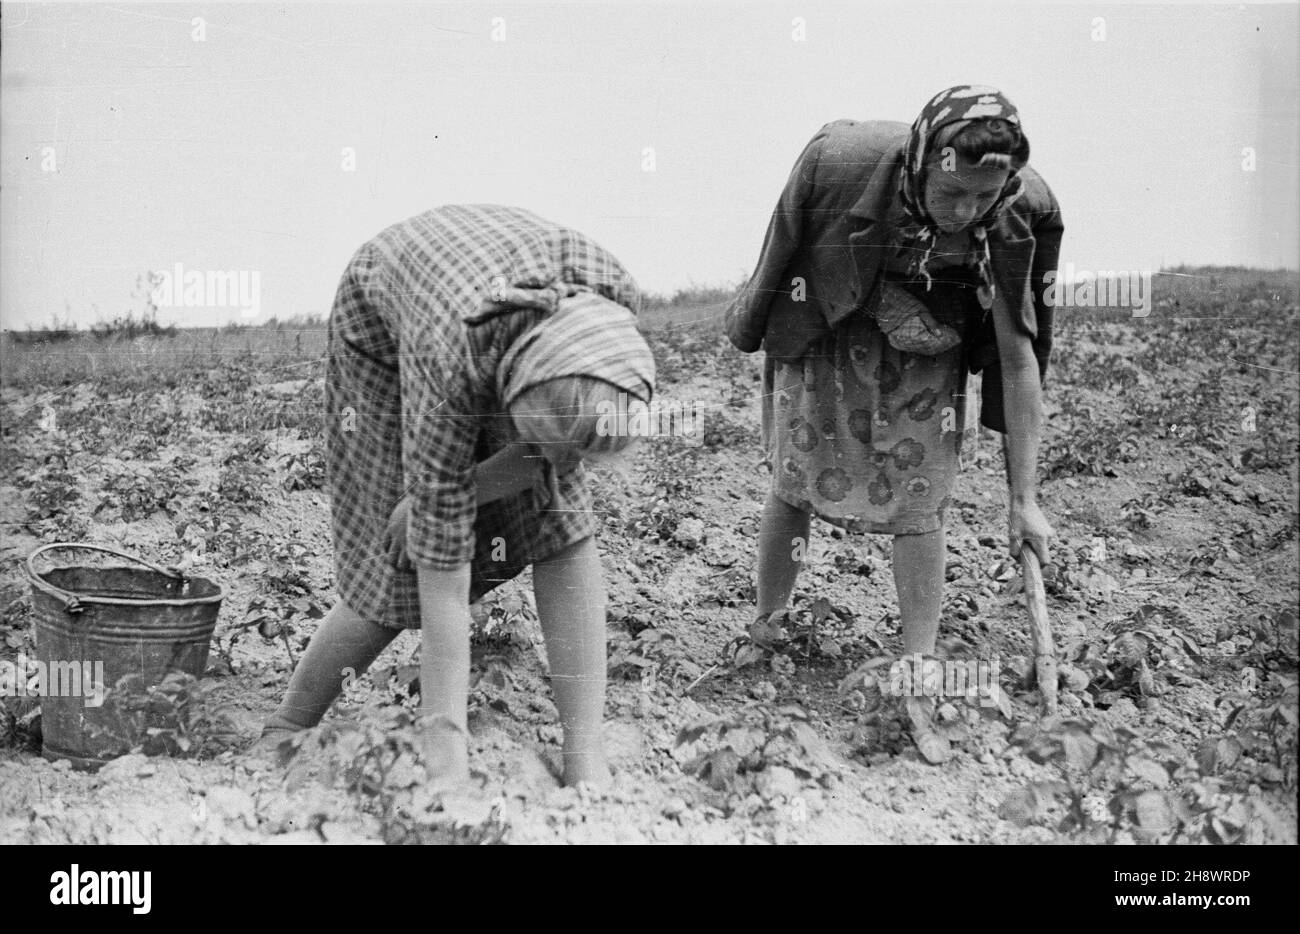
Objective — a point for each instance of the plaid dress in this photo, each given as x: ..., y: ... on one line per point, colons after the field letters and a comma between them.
x: 423, y: 314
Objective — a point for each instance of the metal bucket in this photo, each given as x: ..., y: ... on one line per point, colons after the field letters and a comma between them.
x: 97, y: 626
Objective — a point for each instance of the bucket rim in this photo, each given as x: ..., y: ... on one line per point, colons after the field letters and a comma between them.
x: 73, y: 601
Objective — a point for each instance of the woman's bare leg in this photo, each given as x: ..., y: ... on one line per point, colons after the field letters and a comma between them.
x: 345, y: 643
x: 782, y: 544
x: 570, y: 594
x: 918, y: 577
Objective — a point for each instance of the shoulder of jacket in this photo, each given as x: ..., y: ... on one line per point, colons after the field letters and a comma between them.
x: 847, y: 151
x: 1038, y: 198
x: 862, y: 137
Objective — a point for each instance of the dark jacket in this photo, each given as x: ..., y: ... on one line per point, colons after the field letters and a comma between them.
x: 828, y: 241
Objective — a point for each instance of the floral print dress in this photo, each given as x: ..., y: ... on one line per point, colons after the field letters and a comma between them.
x: 865, y: 436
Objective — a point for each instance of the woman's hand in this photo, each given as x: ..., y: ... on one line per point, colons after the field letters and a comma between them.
x: 395, y: 535
x: 1028, y: 526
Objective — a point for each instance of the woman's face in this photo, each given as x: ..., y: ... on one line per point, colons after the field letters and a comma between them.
x: 961, y: 195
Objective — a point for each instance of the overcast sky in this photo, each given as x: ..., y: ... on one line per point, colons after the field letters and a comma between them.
x: 228, y: 153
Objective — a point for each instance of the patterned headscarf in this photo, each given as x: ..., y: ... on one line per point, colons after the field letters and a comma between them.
x: 947, y: 113
x: 587, y: 335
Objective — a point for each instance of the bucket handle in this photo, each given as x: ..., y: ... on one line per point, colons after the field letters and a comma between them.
x: 71, y: 601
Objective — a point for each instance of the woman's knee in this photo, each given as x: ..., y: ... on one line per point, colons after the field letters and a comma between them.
x: 780, y: 509
x: 569, y: 552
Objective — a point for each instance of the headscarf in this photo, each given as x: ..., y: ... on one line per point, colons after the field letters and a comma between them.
x: 587, y: 335
x: 947, y: 113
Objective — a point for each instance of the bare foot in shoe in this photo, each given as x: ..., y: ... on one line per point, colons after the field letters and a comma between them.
x: 587, y: 768
x: 274, y: 746
x: 934, y: 749
x: 444, y: 747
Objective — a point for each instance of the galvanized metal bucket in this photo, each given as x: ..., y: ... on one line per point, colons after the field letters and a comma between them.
x: 96, y: 626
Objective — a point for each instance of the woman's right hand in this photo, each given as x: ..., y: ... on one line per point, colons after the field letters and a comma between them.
x: 395, y: 535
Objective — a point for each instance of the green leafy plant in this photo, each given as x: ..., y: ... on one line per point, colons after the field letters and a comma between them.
x: 138, y: 494
x: 305, y: 470
x: 1113, y: 781
x: 376, y: 758
x: 771, y: 751
x: 177, y: 717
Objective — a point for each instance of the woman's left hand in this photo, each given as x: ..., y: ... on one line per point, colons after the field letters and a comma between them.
x: 1029, y: 526
x: 395, y: 535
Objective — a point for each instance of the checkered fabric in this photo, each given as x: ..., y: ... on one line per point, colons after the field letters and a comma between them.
x: 422, y: 317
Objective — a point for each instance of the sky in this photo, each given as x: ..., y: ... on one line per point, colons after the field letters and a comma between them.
x: 273, y: 139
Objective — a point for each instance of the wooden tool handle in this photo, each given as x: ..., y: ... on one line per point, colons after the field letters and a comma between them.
x: 1041, y: 628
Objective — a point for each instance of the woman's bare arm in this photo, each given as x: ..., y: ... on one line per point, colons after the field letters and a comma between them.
x: 1022, y: 395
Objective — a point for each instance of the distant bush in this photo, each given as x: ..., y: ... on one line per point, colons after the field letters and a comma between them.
x: 43, y: 335
x: 128, y: 327
x: 692, y: 294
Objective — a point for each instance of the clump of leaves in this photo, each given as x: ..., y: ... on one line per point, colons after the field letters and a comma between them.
x: 273, y: 617
x: 1274, y: 641
x: 139, y: 494
x: 733, y: 587
x: 1113, y: 781
x: 288, y: 597
x: 650, y: 654
x: 376, y: 758
x: 1089, y: 442
x: 305, y: 470
x: 244, y: 477
x: 1138, y: 514
x: 1149, y: 650
x: 505, y: 619
x: 1261, y: 725
x: 771, y: 751
x: 176, y: 717
x: 54, y: 489
x: 20, y: 713
x: 221, y: 536
x: 1262, y: 721
x: 816, y: 629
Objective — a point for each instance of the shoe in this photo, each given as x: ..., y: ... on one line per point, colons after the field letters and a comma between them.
x: 765, y: 632
x: 275, y: 745
x: 888, y: 717
x: 919, y: 718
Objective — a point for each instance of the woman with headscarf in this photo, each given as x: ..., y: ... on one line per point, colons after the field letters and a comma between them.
x: 472, y: 350
x: 898, y: 260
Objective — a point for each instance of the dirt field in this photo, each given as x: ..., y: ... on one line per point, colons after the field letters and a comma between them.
x: 1169, y: 469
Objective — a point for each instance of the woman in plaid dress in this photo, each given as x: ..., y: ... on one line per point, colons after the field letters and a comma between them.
x: 470, y: 349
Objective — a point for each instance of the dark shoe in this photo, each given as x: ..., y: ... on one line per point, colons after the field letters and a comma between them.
x: 765, y: 632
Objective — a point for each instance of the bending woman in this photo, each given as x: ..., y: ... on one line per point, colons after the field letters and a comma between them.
x: 898, y: 260
x: 470, y: 351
